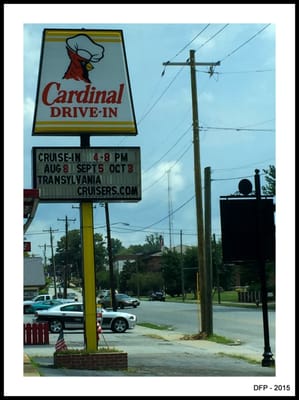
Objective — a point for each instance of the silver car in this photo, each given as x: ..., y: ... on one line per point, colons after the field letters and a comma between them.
x: 71, y: 316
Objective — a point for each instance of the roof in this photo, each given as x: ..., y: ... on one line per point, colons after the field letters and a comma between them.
x: 31, y: 199
x: 34, y: 274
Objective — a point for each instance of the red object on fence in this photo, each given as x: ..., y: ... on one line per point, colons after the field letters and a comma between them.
x: 36, y: 333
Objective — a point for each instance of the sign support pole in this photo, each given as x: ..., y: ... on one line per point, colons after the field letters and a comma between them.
x: 89, y: 293
x: 267, y: 360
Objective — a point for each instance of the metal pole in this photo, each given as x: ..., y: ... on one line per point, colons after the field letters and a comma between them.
x: 110, y: 258
x: 267, y: 361
x: 54, y: 265
x: 182, y: 265
x: 208, y: 253
x: 89, y: 285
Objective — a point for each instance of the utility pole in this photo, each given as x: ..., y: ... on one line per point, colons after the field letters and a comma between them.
x: 53, y: 259
x: 197, y: 180
x: 66, y: 219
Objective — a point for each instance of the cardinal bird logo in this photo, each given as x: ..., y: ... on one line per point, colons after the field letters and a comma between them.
x: 82, y: 51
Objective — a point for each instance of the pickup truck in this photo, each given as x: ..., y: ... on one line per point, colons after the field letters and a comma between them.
x: 40, y: 297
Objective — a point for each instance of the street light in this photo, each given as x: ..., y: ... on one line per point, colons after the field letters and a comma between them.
x: 110, y: 256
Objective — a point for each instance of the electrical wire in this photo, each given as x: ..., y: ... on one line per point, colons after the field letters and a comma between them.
x: 244, y: 43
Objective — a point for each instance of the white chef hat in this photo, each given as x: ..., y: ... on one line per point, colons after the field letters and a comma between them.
x: 85, y: 47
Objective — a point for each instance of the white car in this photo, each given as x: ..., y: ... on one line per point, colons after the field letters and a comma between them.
x: 71, y: 316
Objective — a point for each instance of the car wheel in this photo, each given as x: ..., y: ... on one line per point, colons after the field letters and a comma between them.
x: 121, y: 306
x: 134, y: 305
x: 119, y: 325
x: 56, y: 326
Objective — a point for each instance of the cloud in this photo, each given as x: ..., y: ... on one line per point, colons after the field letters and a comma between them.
x: 29, y: 106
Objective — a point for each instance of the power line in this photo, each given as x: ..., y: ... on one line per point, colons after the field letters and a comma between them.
x: 168, y: 151
x: 238, y: 72
x: 163, y: 72
x: 168, y: 62
x: 212, y: 37
x: 244, y: 43
x: 236, y: 129
x: 162, y: 176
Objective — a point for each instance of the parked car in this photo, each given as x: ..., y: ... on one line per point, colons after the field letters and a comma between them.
x: 38, y: 298
x: 41, y: 305
x: 71, y: 316
x: 159, y: 296
x: 122, y: 301
x: 105, y: 292
x: 72, y: 296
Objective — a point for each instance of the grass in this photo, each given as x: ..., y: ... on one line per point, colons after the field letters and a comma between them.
x: 227, y: 298
x: 212, y: 338
x: 154, y: 326
x: 240, y: 357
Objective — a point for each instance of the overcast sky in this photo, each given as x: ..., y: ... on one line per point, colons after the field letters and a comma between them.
x: 246, y: 111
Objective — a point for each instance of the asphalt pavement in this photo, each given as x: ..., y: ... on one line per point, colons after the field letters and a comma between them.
x: 152, y: 352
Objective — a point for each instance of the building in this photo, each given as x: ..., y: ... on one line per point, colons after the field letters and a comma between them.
x: 34, y: 276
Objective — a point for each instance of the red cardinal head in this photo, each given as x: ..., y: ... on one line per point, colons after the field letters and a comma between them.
x: 82, y: 51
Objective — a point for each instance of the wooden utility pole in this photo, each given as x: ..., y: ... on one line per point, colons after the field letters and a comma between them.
x: 197, y: 181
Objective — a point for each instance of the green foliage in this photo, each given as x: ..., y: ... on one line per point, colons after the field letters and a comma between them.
x: 171, y: 271
x: 152, y: 245
x: 190, y: 265
x: 72, y: 256
x: 269, y: 188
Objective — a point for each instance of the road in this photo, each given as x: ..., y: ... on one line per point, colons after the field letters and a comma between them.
x: 245, y: 324
x: 235, y: 323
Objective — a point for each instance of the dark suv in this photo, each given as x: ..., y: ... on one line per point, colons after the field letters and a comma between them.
x: 159, y: 296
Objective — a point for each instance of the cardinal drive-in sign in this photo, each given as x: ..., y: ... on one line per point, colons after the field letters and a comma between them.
x: 83, y: 84
x: 87, y: 174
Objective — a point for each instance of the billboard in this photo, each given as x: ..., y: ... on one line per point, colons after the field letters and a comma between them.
x: 239, y: 228
x: 87, y: 174
x: 83, y: 84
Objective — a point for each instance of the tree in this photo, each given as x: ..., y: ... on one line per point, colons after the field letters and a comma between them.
x: 190, y: 265
x: 269, y: 188
x: 117, y: 247
x: 171, y: 271
x: 74, y: 256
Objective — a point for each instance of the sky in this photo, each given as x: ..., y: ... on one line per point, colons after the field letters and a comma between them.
x: 245, y: 109
x: 240, y: 94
